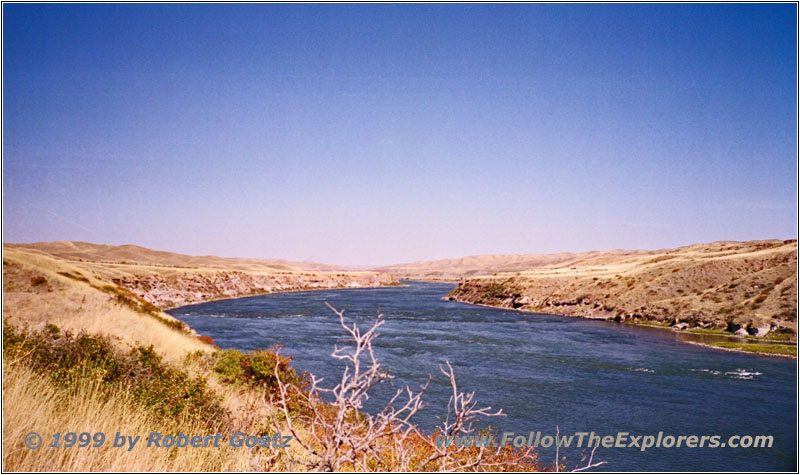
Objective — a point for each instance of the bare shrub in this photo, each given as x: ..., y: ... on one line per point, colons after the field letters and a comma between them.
x: 334, y: 433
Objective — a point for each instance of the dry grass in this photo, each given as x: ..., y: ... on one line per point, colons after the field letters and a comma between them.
x: 76, y: 305
x: 29, y: 405
x: 593, y: 264
x: 131, y: 254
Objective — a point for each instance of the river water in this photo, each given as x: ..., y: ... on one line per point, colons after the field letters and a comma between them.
x: 545, y: 371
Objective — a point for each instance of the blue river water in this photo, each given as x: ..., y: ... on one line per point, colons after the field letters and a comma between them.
x: 544, y: 371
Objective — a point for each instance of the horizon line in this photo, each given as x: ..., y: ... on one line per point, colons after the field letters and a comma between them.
x: 374, y: 266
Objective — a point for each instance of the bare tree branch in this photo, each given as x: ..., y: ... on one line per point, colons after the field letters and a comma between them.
x: 334, y: 433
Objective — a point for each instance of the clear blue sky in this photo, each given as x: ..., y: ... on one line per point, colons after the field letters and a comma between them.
x: 377, y: 134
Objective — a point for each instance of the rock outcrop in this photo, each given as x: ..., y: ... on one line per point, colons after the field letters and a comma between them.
x: 184, y: 288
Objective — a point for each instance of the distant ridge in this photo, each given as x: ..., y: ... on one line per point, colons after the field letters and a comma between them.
x: 489, y: 264
x: 133, y: 254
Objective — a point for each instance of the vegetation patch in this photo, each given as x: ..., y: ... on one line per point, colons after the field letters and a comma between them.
x: 69, y: 361
x: 256, y: 369
x: 652, y: 323
x: 138, y: 304
x: 206, y: 339
x: 709, y: 331
x: 776, y: 335
x: 75, y: 276
x: 765, y: 348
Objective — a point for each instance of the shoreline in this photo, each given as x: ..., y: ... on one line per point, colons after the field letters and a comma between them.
x: 734, y: 350
x: 658, y: 327
x: 286, y: 291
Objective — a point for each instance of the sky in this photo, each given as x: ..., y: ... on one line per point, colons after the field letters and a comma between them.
x: 366, y: 134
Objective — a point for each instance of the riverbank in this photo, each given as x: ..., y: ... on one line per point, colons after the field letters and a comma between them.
x: 286, y: 291
x: 134, y: 368
x: 747, y: 288
x: 764, y: 344
x: 204, y: 285
x: 777, y: 350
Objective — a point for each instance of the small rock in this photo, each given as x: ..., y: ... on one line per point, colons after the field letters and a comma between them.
x: 741, y: 332
x: 760, y: 331
x: 681, y: 326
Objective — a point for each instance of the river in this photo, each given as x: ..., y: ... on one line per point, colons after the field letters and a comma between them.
x: 545, y: 371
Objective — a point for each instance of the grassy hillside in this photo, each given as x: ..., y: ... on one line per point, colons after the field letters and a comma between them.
x: 82, y: 354
x: 38, y: 289
x: 729, y: 286
x: 471, y: 266
x: 169, y: 280
x: 131, y: 254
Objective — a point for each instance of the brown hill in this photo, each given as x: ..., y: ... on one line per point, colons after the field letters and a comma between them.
x: 458, y: 268
x: 132, y: 254
x: 722, y: 285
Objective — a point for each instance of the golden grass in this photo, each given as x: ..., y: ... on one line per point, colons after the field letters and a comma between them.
x: 587, y: 264
x: 73, y: 299
x: 76, y: 305
x: 31, y: 405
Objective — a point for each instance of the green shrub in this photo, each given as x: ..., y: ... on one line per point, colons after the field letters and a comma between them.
x: 69, y: 360
x: 230, y: 366
x: 256, y: 369
x: 262, y: 368
x: 38, y: 281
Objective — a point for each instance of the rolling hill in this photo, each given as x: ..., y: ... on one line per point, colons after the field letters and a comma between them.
x: 749, y: 287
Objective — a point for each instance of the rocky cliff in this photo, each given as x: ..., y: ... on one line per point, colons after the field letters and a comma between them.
x: 184, y: 288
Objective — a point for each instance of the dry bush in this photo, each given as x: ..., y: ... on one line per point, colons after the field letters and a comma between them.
x: 335, y: 434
